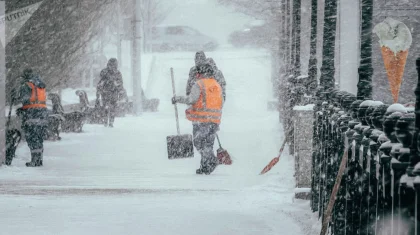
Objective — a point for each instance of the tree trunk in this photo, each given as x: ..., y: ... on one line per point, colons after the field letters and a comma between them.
x: 288, y: 36
x: 313, y: 70
x: 327, y: 80
x: 297, y: 24
x: 364, y: 86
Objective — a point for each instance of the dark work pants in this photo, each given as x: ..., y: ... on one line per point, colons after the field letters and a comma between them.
x: 204, y: 135
x: 111, y: 108
x: 34, y: 137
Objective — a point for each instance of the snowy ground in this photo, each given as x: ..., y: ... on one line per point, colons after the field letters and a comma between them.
x: 119, y: 181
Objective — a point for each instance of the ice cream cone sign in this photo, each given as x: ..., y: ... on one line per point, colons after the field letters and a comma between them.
x: 395, y: 40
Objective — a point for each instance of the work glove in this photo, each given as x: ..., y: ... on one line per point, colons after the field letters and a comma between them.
x: 176, y: 99
x: 19, y: 112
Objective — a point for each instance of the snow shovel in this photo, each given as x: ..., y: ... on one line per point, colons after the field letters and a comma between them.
x: 330, y: 207
x: 274, y: 161
x: 222, y: 155
x: 179, y: 146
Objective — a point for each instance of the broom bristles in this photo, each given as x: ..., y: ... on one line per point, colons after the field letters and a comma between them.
x: 224, y: 157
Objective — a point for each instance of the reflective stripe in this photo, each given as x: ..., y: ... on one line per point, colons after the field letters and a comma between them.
x: 40, y: 105
x: 195, y: 116
x: 36, y: 121
x: 203, y: 94
x: 210, y: 114
x: 34, y: 88
x: 205, y: 119
x: 37, y: 151
x: 207, y: 110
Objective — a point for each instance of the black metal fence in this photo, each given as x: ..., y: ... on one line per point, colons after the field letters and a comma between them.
x: 380, y: 189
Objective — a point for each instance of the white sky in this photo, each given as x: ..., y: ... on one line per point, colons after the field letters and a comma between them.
x: 208, y: 17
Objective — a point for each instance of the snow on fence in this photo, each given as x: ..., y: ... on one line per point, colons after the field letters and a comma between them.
x: 380, y: 189
x: 303, y: 129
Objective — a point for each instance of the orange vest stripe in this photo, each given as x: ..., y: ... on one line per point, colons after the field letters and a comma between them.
x: 208, y: 108
x: 38, y: 98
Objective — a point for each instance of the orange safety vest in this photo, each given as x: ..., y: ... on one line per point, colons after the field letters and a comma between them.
x: 38, y: 98
x: 208, y: 107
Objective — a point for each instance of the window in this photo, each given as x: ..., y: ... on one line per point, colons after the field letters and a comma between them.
x: 190, y: 31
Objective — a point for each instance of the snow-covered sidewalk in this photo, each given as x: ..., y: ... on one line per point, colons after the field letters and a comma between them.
x: 119, y: 181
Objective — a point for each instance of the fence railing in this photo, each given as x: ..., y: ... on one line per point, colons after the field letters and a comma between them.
x: 380, y: 189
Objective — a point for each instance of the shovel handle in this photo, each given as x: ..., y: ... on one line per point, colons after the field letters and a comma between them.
x: 282, y: 147
x: 218, y: 141
x: 176, y: 108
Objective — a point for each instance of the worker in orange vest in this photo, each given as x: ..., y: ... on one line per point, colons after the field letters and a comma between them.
x: 205, y: 112
x: 34, y: 115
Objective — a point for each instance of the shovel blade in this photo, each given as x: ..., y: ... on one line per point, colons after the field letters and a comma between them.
x: 180, y: 146
x: 270, y: 165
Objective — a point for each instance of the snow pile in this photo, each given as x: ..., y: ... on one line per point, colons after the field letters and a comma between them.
x: 377, y: 103
x: 302, y: 190
x: 396, y: 108
x: 367, y: 103
x: 309, y: 107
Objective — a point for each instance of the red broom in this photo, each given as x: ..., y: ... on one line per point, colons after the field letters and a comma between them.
x: 274, y: 161
x: 222, y: 155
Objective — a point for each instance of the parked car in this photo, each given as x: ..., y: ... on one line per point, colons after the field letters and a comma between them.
x: 177, y: 38
x: 263, y: 36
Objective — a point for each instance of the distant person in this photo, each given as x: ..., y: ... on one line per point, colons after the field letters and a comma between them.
x: 34, y: 115
x: 109, y: 88
x: 205, y: 112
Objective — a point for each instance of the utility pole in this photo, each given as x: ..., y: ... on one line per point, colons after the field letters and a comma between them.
x: 136, y: 58
x: 2, y: 92
x: 364, y: 86
x: 119, y: 33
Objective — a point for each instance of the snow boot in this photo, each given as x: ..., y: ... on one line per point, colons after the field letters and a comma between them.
x: 210, y: 168
x: 36, y: 160
x: 39, y: 160
x: 199, y: 171
x: 32, y: 162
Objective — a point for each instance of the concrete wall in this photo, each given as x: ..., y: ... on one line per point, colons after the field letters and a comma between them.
x: 2, y: 90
